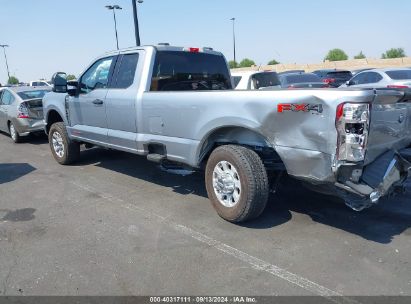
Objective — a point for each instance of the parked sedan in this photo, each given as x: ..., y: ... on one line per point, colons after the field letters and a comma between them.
x: 301, y: 80
x: 21, y: 110
x: 334, y: 77
x: 381, y: 78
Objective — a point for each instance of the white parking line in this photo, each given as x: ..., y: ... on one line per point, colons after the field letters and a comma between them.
x: 254, y: 262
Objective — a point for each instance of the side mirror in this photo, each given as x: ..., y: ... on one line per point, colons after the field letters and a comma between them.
x: 72, y: 88
x: 349, y: 83
x: 59, y: 81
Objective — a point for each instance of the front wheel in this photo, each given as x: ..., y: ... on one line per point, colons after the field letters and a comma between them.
x: 237, y: 183
x: 64, y: 150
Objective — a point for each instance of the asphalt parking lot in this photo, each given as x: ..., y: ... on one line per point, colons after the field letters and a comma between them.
x: 115, y: 224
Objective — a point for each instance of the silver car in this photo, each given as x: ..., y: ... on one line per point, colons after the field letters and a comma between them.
x: 21, y: 111
x: 395, y: 78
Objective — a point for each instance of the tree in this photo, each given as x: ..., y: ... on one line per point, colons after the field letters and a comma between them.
x: 233, y: 64
x: 360, y: 56
x: 273, y: 62
x: 13, y: 80
x: 394, y: 53
x: 71, y: 77
x: 336, y: 55
x: 246, y: 63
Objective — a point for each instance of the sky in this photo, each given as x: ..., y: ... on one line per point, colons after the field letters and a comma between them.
x: 46, y: 36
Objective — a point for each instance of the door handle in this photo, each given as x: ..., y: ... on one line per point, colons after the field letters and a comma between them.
x: 98, y: 102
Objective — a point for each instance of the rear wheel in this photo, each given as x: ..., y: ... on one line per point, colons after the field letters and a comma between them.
x: 64, y: 150
x: 237, y: 183
x: 14, y: 134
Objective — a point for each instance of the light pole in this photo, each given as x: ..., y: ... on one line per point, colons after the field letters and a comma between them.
x: 233, y: 19
x: 5, y: 57
x: 136, y: 29
x: 114, y: 8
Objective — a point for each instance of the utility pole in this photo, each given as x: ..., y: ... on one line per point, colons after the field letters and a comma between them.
x: 136, y: 28
x: 5, y: 57
x: 114, y: 8
x: 233, y: 19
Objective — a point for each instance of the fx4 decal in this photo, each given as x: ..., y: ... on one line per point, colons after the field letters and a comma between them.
x: 303, y: 107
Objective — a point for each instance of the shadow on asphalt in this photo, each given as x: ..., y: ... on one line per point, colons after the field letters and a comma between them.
x: 12, y: 172
x: 19, y: 215
x: 380, y: 223
x: 33, y: 139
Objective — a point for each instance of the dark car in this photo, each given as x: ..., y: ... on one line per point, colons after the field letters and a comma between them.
x: 334, y: 78
x: 301, y: 80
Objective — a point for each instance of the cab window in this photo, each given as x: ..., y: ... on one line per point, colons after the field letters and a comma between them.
x: 125, y: 71
x: 97, y: 76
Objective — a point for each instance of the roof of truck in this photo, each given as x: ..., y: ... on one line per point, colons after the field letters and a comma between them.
x: 164, y: 47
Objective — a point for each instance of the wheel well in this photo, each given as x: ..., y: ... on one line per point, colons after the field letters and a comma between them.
x: 52, y: 118
x: 242, y: 137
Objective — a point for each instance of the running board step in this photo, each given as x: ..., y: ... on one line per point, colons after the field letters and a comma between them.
x: 156, y: 158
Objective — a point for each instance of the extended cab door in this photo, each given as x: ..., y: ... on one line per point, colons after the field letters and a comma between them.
x: 121, y: 101
x: 88, y: 109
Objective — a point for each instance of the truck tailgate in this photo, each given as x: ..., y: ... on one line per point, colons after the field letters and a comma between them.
x: 390, y: 126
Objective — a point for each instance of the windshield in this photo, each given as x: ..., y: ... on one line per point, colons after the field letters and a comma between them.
x: 186, y: 71
x: 302, y: 78
x: 266, y: 79
x: 32, y: 94
x: 399, y: 75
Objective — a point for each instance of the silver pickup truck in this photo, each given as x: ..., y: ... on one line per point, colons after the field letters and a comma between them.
x: 176, y: 106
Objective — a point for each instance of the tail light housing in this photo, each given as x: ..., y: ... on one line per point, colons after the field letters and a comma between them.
x: 352, y: 124
x: 23, y: 111
x: 329, y: 80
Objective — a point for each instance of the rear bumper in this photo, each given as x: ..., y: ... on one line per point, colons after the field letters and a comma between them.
x: 25, y: 126
x: 366, y: 186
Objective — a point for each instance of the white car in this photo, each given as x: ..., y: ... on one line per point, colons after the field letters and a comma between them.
x: 395, y: 78
x: 255, y: 80
x: 40, y: 83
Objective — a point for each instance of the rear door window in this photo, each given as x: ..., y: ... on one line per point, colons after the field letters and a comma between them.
x: 186, y: 71
x: 125, y: 71
x: 400, y: 75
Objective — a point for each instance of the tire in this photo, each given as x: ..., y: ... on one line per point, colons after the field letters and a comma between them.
x: 14, y: 134
x: 241, y: 171
x: 64, y: 150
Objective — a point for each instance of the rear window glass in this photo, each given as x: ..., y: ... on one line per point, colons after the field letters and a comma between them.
x: 346, y: 74
x: 264, y: 80
x: 126, y: 71
x: 399, y: 75
x: 185, y: 71
x: 302, y: 78
x: 236, y: 80
x: 32, y: 94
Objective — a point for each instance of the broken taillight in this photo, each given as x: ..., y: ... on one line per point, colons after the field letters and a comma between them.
x: 23, y: 111
x: 352, y: 124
